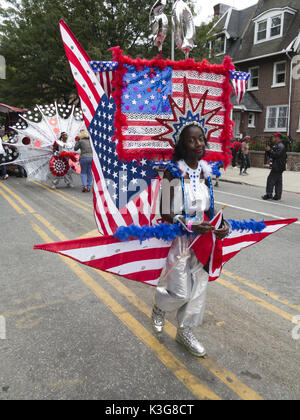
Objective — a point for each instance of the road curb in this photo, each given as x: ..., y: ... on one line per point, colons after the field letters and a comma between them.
x: 252, y: 185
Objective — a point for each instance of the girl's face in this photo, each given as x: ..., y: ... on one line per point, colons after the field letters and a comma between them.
x: 194, y: 143
x: 64, y: 138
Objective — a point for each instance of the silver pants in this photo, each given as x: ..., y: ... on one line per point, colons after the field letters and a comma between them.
x: 67, y: 179
x: 184, y: 289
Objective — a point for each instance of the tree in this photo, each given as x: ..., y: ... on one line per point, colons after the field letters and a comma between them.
x: 33, y: 51
x: 37, y: 69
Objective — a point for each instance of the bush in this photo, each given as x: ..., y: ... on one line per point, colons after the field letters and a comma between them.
x: 258, y: 145
x: 296, y: 147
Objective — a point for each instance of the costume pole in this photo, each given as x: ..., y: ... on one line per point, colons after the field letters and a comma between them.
x: 173, y: 37
x: 184, y: 254
x: 177, y: 262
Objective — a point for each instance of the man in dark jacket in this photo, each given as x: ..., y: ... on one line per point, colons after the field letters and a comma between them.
x: 278, y: 165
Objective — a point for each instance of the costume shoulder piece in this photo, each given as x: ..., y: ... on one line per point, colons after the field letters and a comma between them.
x: 178, y: 169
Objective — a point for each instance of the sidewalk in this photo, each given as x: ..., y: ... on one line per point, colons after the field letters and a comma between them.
x: 258, y: 177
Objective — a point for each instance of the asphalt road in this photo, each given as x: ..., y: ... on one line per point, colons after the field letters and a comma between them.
x: 74, y: 333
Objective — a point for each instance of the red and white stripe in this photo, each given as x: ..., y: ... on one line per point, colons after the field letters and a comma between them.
x: 204, y: 245
x: 105, y: 79
x: 90, y: 93
x: 237, y: 241
x: 240, y: 87
x: 88, y: 86
x: 132, y: 260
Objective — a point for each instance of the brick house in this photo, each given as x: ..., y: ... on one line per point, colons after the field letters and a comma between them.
x: 263, y: 40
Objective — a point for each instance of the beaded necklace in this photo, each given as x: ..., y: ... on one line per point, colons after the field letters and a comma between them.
x: 194, y: 175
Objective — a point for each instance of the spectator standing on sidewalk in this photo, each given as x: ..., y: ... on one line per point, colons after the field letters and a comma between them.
x: 235, y: 149
x: 245, y: 160
x: 86, y: 158
x: 278, y: 158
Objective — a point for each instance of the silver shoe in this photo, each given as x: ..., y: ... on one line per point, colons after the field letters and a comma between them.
x: 186, y: 337
x: 158, y: 319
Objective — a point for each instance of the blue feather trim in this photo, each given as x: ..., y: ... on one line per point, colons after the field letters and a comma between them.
x: 252, y: 225
x: 212, y: 199
x: 161, y: 231
x: 170, y: 165
x: 170, y: 232
x: 215, y: 166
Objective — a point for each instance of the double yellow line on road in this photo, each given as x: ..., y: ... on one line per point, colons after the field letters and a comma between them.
x: 73, y: 200
x: 260, y: 289
x: 199, y: 389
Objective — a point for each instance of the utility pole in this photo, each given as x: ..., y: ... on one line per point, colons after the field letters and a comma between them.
x: 2, y: 67
x: 172, y: 36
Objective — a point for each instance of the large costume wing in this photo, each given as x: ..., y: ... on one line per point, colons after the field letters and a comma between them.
x: 238, y: 240
x: 36, y: 133
x: 144, y: 262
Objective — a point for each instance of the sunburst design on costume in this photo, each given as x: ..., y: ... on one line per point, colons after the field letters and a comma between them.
x: 38, y: 130
x: 187, y: 115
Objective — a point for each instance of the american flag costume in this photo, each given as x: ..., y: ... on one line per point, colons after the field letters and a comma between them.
x: 131, y: 109
x: 240, y: 81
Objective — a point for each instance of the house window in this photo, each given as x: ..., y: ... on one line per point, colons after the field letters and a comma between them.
x: 254, y: 79
x: 268, y: 29
x: 217, y: 46
x: 277, y: 118
x: 220, y: 45
x: 262, y: 30
x: 276, y: 26
x: 279, y: 76
x: 251, y: 120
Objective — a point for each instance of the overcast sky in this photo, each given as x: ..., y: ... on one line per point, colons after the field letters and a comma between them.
x: 205, y: 7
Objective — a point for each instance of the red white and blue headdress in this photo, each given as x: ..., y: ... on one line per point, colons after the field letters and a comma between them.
x: 189, y: 114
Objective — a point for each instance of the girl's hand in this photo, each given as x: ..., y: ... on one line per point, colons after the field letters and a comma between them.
x: 222, y: 232
x: 202, y: 228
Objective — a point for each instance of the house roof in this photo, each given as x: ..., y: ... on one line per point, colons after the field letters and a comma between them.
x: 220, y: 25
x: 240, y: 27
x: 233, y: 21
x: 249, y: 103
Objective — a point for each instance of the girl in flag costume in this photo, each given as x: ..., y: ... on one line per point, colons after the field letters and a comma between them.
x: 184, y: 283
x: 150, y: 108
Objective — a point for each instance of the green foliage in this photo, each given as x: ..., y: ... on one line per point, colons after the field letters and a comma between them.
x: 37, y: 68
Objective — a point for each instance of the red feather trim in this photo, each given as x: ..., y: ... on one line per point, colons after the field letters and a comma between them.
x: 70, y: 155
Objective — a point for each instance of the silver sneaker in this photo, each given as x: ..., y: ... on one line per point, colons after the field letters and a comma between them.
x: 158, y: 319
x: 186, y: 337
